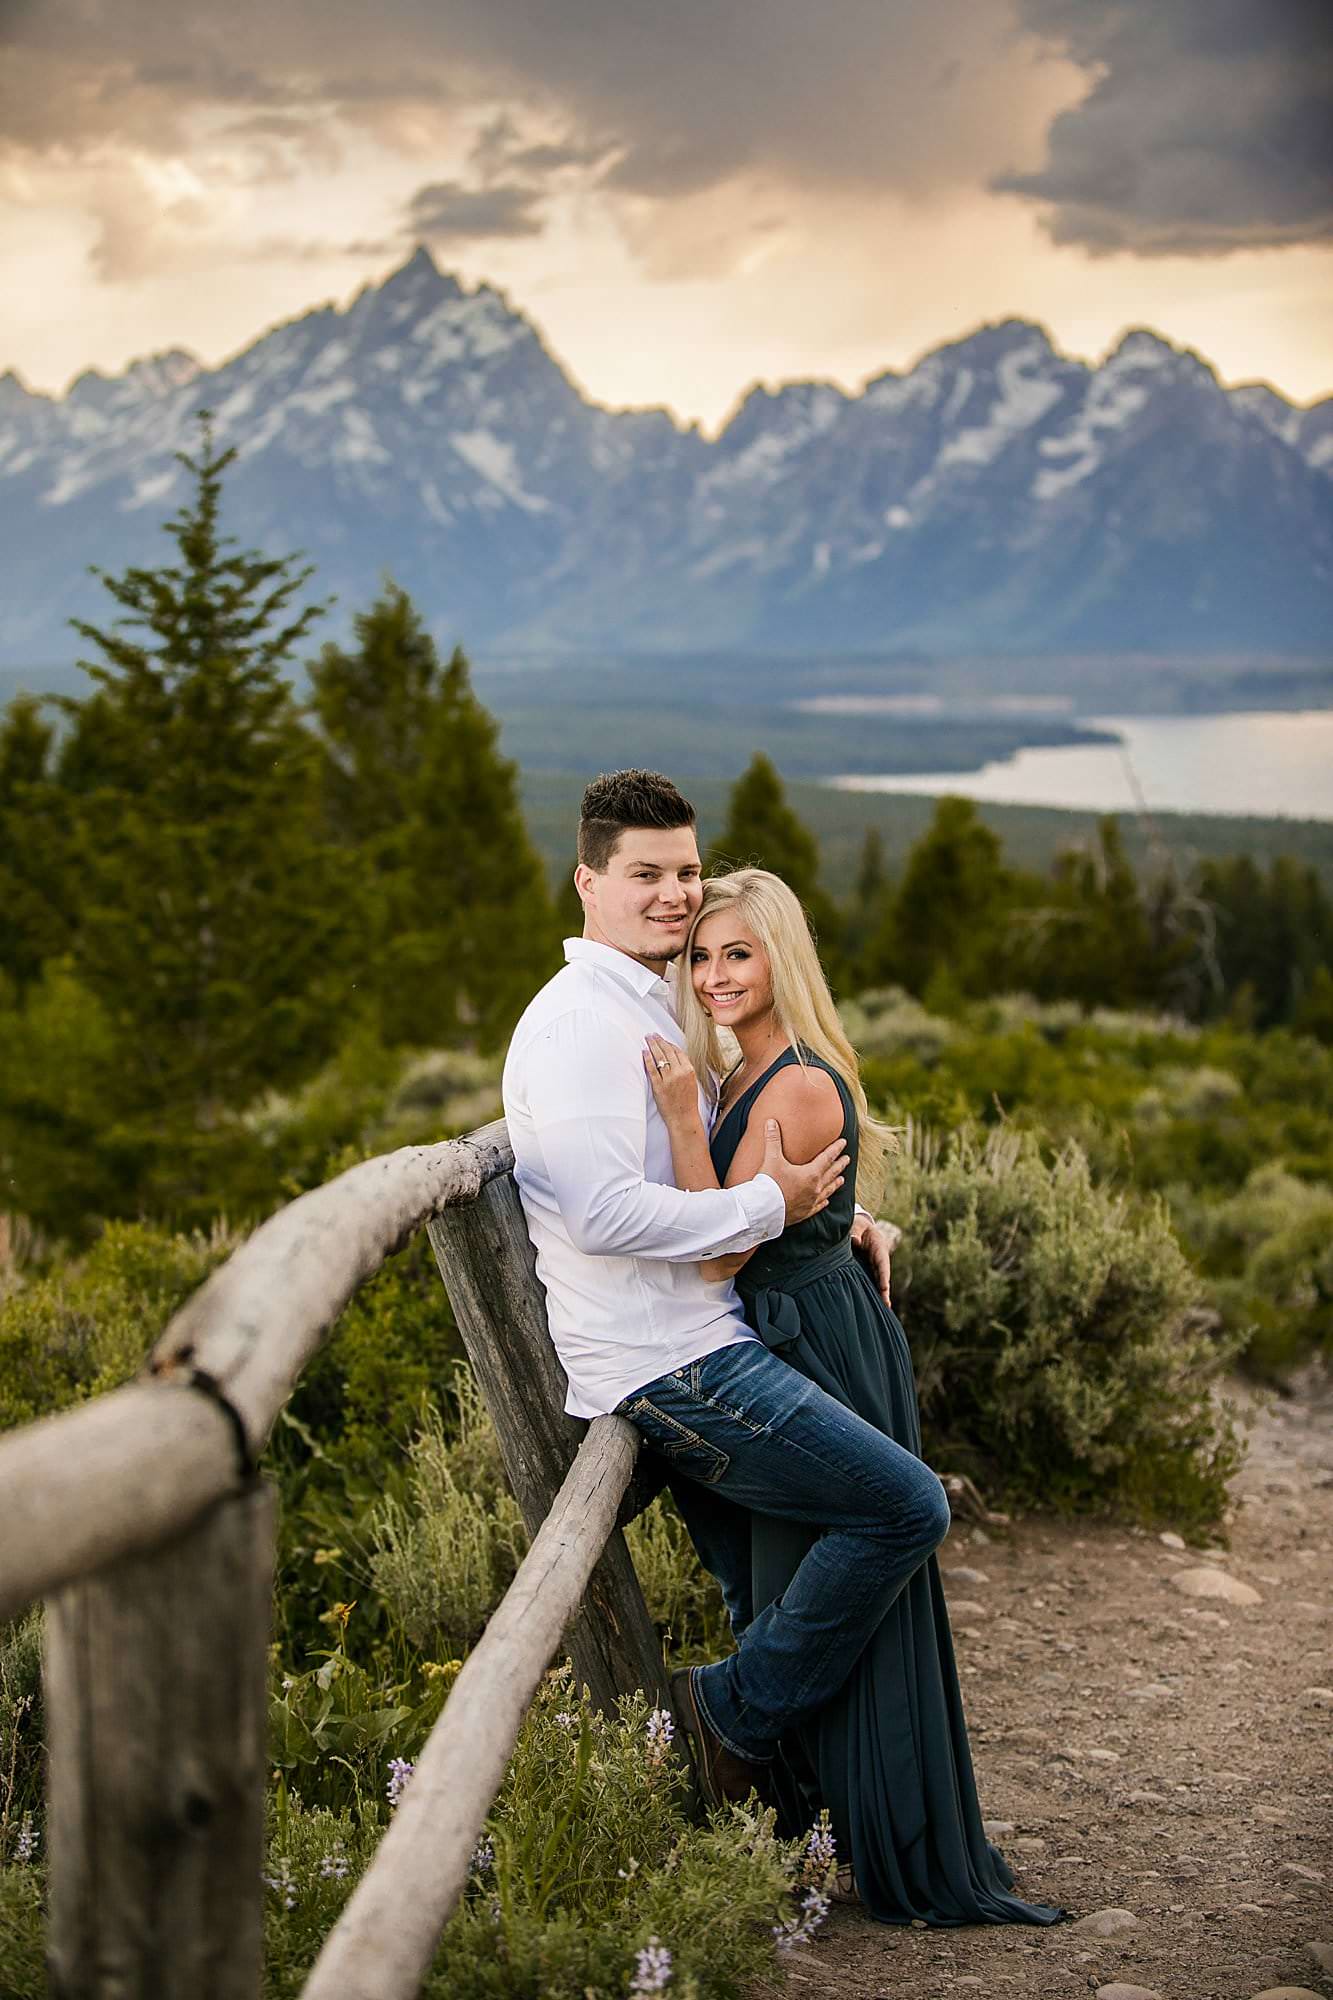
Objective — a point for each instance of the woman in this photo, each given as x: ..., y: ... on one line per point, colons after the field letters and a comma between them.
x: 889, y: 1756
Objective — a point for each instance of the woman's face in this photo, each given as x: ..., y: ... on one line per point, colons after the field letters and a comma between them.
x: 730, y: 970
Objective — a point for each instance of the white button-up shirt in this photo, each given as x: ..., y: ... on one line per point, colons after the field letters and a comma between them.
x: 618, y: 1244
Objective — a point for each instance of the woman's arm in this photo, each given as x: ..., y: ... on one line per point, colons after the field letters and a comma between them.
x: 804, y: 1101
x: 676, y: 1089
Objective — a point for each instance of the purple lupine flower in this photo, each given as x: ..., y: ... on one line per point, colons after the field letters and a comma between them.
x: 821, y: 1853
x: 283, y: 1882
x: 483, y: 1857
x: 652, y: 1972
x: 334, y: 1865
x: 659, y: 1730
x: 800, y: 1930
x: 28, y: 1838
x: 400, y: 1776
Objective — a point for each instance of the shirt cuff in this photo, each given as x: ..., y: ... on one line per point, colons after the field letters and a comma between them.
x: 766, y: 1206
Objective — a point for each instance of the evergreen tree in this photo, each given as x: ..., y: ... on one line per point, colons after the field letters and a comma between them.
x: 207, y: 907
x: 370, y: 704
x: 1273, y: 933
x: 762, y: 831
x: 1090, y: 940
x: 869, y: 907
x: 459, y: 925
x: 32, y: 877
x: 950, y: 918
x: 872, y: 877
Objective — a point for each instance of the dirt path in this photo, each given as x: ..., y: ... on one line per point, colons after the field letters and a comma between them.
x: 1146, y: 1751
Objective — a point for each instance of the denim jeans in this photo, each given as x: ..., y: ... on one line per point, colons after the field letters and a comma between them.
x: 744, y: 1432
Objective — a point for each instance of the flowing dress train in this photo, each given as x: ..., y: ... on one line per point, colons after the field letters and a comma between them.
x: 889, y: 1756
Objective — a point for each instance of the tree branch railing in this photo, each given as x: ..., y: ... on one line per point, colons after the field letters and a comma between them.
x: 141, y: 1519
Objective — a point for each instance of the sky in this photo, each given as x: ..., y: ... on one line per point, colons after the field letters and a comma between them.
x: 685, y: 198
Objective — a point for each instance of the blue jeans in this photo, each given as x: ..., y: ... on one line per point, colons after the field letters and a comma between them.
x: 750, y: 1434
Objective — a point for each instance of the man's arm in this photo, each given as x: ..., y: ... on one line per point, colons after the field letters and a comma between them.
x: 588, y: 1101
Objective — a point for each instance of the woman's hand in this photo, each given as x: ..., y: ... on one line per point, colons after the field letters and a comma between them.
x: 675, y: 1086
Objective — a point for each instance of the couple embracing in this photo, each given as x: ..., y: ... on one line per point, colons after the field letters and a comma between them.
x: 709, y: 1276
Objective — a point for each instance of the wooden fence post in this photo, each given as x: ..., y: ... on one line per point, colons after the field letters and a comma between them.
x: 156, y: 1693
x: 488, y: 1267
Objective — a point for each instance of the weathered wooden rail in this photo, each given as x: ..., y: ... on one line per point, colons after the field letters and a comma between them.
x: 142, y: 1519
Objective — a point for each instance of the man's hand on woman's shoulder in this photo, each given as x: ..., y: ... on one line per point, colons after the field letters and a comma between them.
x: 805, y: 1189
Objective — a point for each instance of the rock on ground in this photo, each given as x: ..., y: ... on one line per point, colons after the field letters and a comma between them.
x: 1215, y: 1583
x: 1107, y: 1923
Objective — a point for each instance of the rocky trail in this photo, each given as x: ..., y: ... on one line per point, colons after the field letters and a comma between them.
x: 1152, y: 1726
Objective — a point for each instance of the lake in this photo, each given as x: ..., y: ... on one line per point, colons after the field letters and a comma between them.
x: 1271, y: 764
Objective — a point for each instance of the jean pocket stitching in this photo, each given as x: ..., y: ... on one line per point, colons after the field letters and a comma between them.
x: 683, y: 1439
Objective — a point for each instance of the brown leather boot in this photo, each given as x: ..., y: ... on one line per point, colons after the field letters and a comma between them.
x: 724, y: 1778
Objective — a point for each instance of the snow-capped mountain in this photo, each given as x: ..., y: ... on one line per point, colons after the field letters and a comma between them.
x: 997, y: 497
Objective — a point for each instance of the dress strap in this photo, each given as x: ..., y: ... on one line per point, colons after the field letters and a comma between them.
x: 747, y: 1096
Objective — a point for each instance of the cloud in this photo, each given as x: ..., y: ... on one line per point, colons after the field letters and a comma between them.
x: 448, y: 212
x: 1208, y: 127
x: 868, y: 92
x: 1147, y: 126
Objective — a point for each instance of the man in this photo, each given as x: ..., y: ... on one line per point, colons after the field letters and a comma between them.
x: 640, y: 1331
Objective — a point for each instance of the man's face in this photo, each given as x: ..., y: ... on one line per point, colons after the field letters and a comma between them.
x: 644, y: 902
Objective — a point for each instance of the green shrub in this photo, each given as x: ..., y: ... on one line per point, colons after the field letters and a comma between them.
x: 1272, y: 1246
x: 684, y: 1601
x: 444, y: 1556
x: 1060, y: 1341
x: 333, y: 1728
x: 88, y: 1324
x: 594, y: 1858
x: 20, y: 1728
x: 886, y: 1021
x: 22, y: 1932
x: 586, y: 1857
x: 393, y: 1345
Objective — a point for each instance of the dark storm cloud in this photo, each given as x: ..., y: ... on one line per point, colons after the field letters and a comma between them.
x: 1203, y: 127
x: 872, y: 92
x: 1209, y: 127
x: 446, y: 212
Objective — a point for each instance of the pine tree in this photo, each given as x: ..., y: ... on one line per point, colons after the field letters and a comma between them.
x: 949, y: 919
x: 1273, y: 932
x: 762, y: 831
x: 33, y: 882
x: 460, y: 928
x: 1089, y: 939
x: 207, y: 904
x: 869, y: 907
x: 370, y: 703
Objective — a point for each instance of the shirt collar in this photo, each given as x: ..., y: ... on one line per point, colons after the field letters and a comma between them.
x: 640, y: 977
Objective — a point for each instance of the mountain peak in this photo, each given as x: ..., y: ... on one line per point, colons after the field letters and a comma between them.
x: 421, y: 275
x: 1141, y: 350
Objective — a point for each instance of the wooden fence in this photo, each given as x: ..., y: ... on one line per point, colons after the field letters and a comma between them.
x: 142, y: 1520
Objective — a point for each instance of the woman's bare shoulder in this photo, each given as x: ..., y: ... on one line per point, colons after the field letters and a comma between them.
x: 806, y: 1103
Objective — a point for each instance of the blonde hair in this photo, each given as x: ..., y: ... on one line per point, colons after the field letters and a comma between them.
x: 802, y: 1004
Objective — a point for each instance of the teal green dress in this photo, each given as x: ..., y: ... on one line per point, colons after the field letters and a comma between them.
x: 889, y: 1756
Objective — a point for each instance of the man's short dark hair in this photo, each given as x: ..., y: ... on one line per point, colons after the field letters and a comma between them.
x: 620, y: 800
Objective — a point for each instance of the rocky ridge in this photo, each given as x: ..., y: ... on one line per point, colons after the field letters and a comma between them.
x: 996, y: 497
